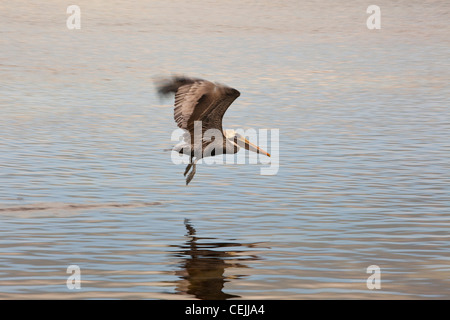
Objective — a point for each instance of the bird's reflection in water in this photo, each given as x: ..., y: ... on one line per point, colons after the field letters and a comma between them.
x: 204, y: 263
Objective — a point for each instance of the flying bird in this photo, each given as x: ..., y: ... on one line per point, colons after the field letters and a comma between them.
x: 201, y: 102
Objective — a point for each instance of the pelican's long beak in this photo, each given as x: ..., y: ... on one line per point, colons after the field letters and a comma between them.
x: 244, y: 143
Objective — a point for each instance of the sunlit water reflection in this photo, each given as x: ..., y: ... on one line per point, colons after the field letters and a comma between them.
x: 364, y: 151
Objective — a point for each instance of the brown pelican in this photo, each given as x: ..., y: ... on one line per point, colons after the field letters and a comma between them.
x: 203, y: 103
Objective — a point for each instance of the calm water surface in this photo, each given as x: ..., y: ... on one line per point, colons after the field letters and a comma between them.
x: 364, y: 124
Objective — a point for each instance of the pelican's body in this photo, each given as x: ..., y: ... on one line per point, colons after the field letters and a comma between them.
x: 199, y: 108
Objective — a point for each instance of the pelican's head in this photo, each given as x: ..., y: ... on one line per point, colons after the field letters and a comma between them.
x: 242, y: 142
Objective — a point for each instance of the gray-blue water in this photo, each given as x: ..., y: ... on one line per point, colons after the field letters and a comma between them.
x: 363, y: 179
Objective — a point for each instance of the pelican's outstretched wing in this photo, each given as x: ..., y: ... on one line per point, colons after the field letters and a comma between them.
x: 198, y: 100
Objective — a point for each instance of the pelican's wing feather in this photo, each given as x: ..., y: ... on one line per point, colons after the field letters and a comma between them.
x: 199, y: 100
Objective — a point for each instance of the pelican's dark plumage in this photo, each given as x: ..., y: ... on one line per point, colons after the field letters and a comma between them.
x: 205, y: 101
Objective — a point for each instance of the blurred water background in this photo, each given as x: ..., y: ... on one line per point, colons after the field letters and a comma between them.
x: 364, y: 143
